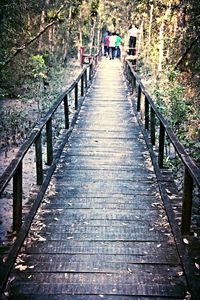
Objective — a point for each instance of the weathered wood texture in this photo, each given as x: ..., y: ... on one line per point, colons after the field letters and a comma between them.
x: 101, y: 231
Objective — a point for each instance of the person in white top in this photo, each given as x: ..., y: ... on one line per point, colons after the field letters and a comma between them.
x: 112, y: 43
x: 133, y: 32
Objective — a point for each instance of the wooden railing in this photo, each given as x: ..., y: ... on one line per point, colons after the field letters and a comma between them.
x: 149, y: 113
x: 86, y: 54
x: 15, y: 169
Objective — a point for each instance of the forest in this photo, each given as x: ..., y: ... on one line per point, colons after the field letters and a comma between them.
x: 40, y: 42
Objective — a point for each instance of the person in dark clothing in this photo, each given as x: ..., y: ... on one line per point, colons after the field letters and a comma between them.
x: 133, y: 31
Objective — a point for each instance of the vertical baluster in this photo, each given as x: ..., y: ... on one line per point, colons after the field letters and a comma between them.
x: 66, y: 112
x: 146, y: 113
x: 187, y: 203
x: 153, y: 124
x: 85, y: 78
x: 142, y: 107
x: 139, y: 98
x: 90, y: 72
x: 133, y: 82
x: 76, y: 95
x: 17, y: 199
x: 82, y: 85
x: 39, y: 168
x: 49, y: 142
x: 161, y: 145
x: 129, y: 75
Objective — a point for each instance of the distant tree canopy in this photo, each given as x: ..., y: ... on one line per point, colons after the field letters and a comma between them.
x: 60, y: 27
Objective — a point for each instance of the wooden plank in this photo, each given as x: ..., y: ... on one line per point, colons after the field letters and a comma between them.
x: 97, y: 269
x: 95, y: 203
x: 84, y: 297
x: 99, y: 214
x: 166, y: 290
x: 129, y: 237
x: 112, y: 175
x: 103, y: 247
x: 146, y: 258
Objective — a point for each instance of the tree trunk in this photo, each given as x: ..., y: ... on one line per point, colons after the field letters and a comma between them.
x: 161, y: 38
x: 66, y: 37
x: 140, y: 35
x: 92, y: 36
x: 150, y: 25
x: 42, y: 22
x: 161, y: 47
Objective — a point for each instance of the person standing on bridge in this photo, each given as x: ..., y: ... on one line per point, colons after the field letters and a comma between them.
x: 106, y: 44
x: 133, y: 32
x: 112, y: 44
x: 117, y: 44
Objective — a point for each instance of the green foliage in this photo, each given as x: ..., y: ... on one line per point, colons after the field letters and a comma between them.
x: 178, y: 107
x: 94, y: 8
x: 38, y: 67
x: 10, y: 124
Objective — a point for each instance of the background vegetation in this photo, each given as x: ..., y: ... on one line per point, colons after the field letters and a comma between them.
x: 40, y: 43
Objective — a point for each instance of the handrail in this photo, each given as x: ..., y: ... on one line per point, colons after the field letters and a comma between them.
x: 192, y: 171
x: 14, y: 170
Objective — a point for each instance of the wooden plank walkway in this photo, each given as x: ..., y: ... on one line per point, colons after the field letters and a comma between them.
x: 101, y: 231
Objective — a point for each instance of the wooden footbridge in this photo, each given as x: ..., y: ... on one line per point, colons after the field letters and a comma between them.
x: 105, y: 227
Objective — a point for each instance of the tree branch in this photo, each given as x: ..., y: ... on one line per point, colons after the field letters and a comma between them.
x: 186, y: 52
x: 20, y: 49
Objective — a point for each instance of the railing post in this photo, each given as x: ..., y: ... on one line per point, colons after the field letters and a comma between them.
x: 133, y: 82
x: 49, y: 142
x: 129, y: 74
x: 76, y: 95
x: 82, y: 85
x: 38, y: 151
x: 66, y: 112
x: 17, y: 199
x: 146, y: 111
x: 81, y: 55
x: 187, y: 203
x: 153, y: 124
x: 161, y: 145
x: 142, y: 107
x: 139, y: 98
x: 85, y: 78
x: 90, y: 72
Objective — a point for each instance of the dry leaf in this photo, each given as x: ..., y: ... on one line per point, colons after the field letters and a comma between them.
x: 11, y: 279
x: 31, y: 267
x: 185, y: 241
x: 197, y: 265
x: 19, y: 260
x: 4, y: 259
x: 21, y: 267
x: 41, y: 239
x: 180, y: 273
x: 129, y: 270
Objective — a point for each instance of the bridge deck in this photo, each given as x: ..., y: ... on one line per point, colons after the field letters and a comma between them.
x: 102, y: 230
